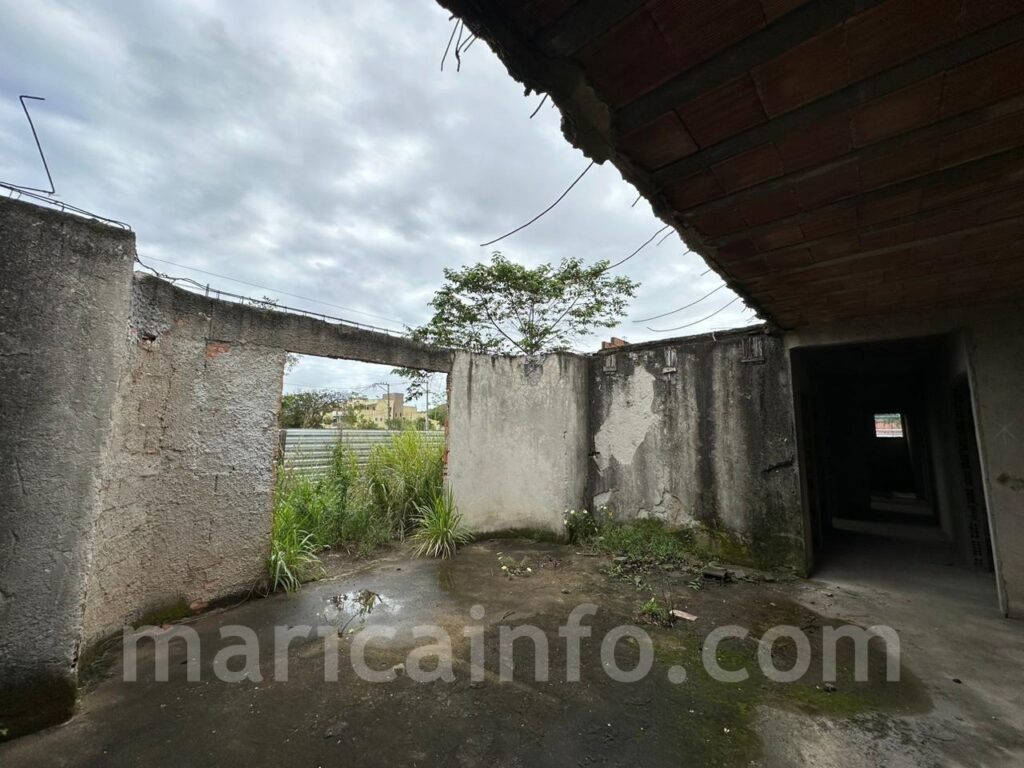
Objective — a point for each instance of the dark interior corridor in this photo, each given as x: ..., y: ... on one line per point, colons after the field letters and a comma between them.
x: 888, y: 450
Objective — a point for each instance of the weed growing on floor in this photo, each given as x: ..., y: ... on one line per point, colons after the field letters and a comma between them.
x: 582, y: 526
x: 439, y: 530
x: 512, y: 567
x: 645, y: 542
x: 656, y: 612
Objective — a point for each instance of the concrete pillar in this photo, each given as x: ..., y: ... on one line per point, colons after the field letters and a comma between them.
x: 65, y: 293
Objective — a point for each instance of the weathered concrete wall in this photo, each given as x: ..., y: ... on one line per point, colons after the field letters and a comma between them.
x: 995, y: 356
x: 185, y: 509
x: 185, y: 506
x: 65, y: 292
x: 688, y: 432
x: 517, y: 440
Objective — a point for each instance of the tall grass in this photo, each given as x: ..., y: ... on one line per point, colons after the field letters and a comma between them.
x: 350, y: 509
x: 403, y: 475
x: 439, y: 530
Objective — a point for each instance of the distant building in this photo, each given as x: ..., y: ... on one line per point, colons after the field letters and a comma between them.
x: 378, y: 412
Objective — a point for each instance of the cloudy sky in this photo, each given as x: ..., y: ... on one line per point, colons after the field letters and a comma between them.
x: 316, y: 148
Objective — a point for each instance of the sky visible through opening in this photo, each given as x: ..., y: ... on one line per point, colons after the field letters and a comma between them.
x: 317, y: 154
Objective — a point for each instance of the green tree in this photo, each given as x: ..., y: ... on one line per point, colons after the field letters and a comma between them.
x: 506, y: 308
x: 306, y: 410
x: 439, y: 413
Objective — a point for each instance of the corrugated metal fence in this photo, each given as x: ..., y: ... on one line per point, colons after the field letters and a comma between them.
x: 309, y: 450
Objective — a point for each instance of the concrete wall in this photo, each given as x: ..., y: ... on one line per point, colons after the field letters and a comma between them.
x: 139, y: 437
x: 995, y: 356
x: 65, y: 292
x: 687, y: 432
x: 517, y: 440
x: 185, y: 508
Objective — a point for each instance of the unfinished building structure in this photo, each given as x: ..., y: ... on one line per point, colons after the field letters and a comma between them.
x: 852, y: 169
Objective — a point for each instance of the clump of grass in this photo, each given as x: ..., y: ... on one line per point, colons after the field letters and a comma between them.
x: 512, y: 567
x: 655, y: 612
x: 645, y: 542
x: 439, y: 530
x: 351, y: 509
x: 403, y: 475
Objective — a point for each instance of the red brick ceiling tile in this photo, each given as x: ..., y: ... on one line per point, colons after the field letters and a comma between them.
x: 775, y: 8
x: 693, y: 190
x: 896, y: 30
x: 659, y: 143
x: 723, y: 112
x: 716, y: 223
x: 629, y: 60
x: 818, y: 224
x: 802, y: 74
x: 739, y: 250
x: 889, y: 207
x: 780, y: 237
x: 981, y: 140
x: 771, y: 206
x: 819, y: 142
x: 983, y: 81
x: 906, y: 109
x: 978, y: 14
x: 698, y: 29
x: 889, y: 236
x: 544, y: 12
x: 748, y: 168
x: 799, y: 257
x: 899, y: 165
x: 835, y: 184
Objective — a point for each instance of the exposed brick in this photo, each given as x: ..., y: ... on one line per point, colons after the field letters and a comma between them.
x: 889, y: 207
x: 894, y: 31
x: 909, y: 108
x: 839, y: 182
x: 802, y: 74
x: 217, y: 348
x: 748, y: 168
x: 723, y: 112
x: 775, y: 8
x: 818, y: 224
x: 698, y: 29
x: 984, y: 81
x: 978, y: 14
x: 780, y: 237
x: 771, y: 206
x: 629, y: 60
x: 660, y: 143
x: 819, y: 142
x: 716, y: 223
x: 981, y: 140
x: 900, y: 165
x: 693, y: 190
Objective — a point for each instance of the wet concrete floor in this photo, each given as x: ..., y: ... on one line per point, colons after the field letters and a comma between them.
x: 662, y: 719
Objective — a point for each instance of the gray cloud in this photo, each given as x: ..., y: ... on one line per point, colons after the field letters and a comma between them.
x: 316, y: 147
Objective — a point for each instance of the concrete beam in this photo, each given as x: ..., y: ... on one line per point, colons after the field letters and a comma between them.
x: 244, y: 324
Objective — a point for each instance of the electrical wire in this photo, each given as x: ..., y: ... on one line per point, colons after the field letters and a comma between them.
x: 275, y: 290
x: 561, y: 197
x: 695, y: 322
x: 685, y: 306
x: 634, y: 253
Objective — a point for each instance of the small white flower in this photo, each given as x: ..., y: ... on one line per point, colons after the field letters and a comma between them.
x: 529, y: 570
x: 504, y: 567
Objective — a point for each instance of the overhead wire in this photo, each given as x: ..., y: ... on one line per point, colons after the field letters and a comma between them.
x: 634, y: 253
x: 695, y: 322
x: 685, y: 306
x: 561, y: 197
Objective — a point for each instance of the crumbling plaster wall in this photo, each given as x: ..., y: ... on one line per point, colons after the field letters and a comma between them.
x: 688, y: 432
x: 517, y: 440
x: 185, y: 508
x: 65, y: 293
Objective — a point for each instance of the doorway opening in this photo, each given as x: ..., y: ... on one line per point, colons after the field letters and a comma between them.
x: 891, y: 472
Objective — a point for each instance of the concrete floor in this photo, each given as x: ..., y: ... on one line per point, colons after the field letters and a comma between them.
x: 947, y: 621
